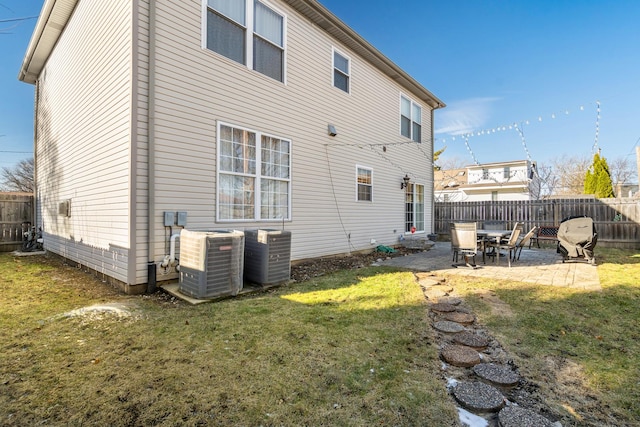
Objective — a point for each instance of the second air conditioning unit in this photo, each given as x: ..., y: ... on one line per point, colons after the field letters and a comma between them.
x: 267, y: 256
x: 211, y: 263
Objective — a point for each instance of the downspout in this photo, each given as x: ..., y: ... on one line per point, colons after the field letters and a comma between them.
x: 35, y: 154
x: 433, y: 193
x: 151, y: 164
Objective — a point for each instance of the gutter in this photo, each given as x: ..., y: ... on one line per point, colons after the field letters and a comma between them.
x: 53, y: 19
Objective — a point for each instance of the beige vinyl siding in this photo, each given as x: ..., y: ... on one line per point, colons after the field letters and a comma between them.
x: 196, y: 88
x: 83, y: 138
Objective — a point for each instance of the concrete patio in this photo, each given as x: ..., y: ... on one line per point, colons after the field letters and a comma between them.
x: 539, y: 266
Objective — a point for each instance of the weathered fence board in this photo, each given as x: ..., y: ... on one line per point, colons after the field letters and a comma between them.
x: 15, y: 209
x: 617, y: 221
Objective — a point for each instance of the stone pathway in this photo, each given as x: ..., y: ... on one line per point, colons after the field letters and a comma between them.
x: 480, y: 375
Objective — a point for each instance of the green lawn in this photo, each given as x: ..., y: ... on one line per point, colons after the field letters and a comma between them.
x: 581, y: 348
x: 350, y: 349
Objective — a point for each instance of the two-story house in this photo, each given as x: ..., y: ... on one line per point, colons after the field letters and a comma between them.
x: 238, y: 114
x: 516, y: 180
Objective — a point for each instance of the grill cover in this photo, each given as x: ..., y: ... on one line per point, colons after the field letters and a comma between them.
x: 577, y: 238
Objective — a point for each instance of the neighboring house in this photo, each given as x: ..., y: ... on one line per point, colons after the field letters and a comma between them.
x: 517, y: 180
x: 626, y: 190
x: 239, y: 114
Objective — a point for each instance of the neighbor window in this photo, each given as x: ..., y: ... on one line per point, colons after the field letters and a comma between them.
x: 364, y: 184
x: 228, y: 24
x: 485, y: 173
x: 254, y: 175
x: 414, y: 208
x: 507, y: 173
x: 410, y: 119
x: 341, y: 71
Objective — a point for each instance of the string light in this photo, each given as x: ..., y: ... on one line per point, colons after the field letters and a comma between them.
x: 502, y: 128
x: 595, y: 144
x: 524, y: 142
x: 466, y: 142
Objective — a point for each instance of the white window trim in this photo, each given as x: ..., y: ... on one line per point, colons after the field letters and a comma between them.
x: 258, y: 176
x: 402, y: 95
x: 249, y: 11
x: 333, y: 68
x: 357, y: 184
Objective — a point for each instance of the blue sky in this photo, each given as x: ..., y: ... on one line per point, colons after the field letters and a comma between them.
x: 543, y: 65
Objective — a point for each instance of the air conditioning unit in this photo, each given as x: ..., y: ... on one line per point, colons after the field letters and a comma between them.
x: 267, y: 256
x: 211, y: 263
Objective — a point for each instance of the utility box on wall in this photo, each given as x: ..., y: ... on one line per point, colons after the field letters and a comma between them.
x: 267, y: 256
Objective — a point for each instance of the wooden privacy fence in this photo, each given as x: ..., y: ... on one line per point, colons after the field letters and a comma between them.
x: 617, y: 220
x: 15, y: 209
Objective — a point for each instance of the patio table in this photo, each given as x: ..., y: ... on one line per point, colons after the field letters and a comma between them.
x: 492, y: 235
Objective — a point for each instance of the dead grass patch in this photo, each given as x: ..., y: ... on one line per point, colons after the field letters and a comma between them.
x: 350, y: 348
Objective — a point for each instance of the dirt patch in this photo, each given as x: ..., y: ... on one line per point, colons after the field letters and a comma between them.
x: 498, y: 307
x: 306, y: 270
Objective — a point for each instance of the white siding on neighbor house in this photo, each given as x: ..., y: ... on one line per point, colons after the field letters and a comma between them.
x: 196, y: 88
x: 83, y: 135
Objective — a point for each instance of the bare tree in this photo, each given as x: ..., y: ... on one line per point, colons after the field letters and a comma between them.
x: 452, y: 163
x: 622, y: 171
x: 567, y: 175
x: 18, y: 177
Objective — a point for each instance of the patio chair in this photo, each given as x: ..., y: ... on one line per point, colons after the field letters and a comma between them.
x: 464, y: 241
x: 509, y: 245
x: 523, y: 242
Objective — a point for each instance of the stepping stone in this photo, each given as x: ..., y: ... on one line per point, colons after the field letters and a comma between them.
x: 428, y: 282
x: 497, y: 374
x: 443, y: 307
x: 459, y: 355
x: 450, y: 300
x: 459, y: 317
x: 516, y: 416
x: 435, y: 293
x: 478, y: 396
x: 470, y: 339
x: 449, y: 327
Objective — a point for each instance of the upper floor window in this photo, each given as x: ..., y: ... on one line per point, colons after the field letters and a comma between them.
x: 341, y: 71
x: 410, y: 119
x: 365, y: 184
x: 228, y: 33
x: 485, y: 173
x: 506, y: 173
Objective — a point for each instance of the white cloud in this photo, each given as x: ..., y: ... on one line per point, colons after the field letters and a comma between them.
x: 464, y: 116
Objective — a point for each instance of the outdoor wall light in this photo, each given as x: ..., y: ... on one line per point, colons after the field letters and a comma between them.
x: 405, y: 182
x: 332, y: 130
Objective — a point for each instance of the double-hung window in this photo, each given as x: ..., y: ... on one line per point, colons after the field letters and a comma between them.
x: 410, y: 119
x: 341, y: 71
x: 254, y: 175
x: 364, y: 182
x: 248, y: 32
x: 506, y: 173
